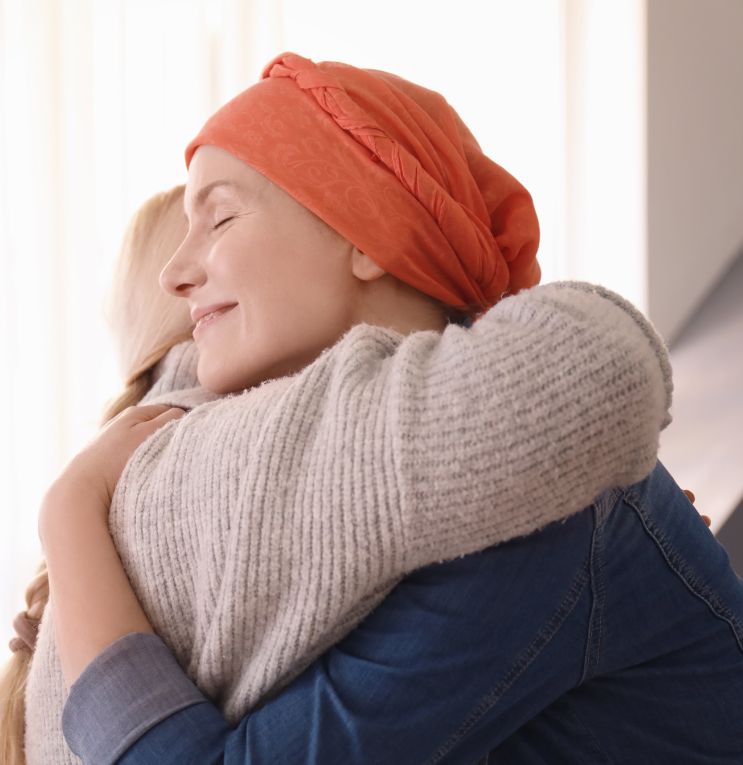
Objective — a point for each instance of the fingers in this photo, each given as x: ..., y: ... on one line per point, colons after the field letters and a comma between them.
x: 692, y: 498
x: 151, y: 412
x: 170, y: 413
x: 162, y: 418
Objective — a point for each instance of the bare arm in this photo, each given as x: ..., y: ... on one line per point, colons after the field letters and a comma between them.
x: 92, y: 601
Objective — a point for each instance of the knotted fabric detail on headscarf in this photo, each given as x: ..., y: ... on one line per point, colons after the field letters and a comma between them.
x: 391, y: 167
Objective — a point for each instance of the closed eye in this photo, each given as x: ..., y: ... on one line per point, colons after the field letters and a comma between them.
x: 223, y: 221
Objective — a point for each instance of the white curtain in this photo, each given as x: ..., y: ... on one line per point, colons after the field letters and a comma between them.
x: 97, y: 103
x: 98, y: 99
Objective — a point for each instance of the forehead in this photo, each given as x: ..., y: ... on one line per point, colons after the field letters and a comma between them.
x: 215, y: 172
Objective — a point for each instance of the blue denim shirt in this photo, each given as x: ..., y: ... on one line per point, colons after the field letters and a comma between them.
x: 460, y: 656
x: 129, y: 688
x: 385, y: 694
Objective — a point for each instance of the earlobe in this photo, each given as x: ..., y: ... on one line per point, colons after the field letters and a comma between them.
x: 364, y: 267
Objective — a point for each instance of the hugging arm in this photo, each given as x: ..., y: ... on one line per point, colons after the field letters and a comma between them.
x: 437, y: 671
x: 568, y: 387
x: 553, y: 396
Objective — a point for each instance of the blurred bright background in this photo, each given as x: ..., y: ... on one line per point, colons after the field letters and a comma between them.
x: 624, y: 118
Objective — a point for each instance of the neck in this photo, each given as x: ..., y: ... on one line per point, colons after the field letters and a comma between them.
x: 390, y: 303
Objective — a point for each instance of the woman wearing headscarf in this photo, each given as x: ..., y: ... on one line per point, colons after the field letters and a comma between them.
x: 345, y: 437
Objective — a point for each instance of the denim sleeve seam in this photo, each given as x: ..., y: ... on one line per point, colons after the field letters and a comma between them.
x: 532, y: 651
x: 594, y: 632
x: 602, y: 508
x: 701, y: 591
x: 579, y: 721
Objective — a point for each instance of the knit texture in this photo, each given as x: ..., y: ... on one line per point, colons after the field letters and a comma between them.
x: 261, y: 527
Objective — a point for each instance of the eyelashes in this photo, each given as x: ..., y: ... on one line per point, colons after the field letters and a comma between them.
x: 222, y: 222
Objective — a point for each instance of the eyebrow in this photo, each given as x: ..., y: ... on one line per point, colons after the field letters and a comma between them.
x: 203, y: 193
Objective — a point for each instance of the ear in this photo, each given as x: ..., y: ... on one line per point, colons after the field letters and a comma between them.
x: 364, y: 267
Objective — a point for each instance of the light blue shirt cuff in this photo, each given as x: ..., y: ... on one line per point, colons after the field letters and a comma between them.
x: 131, y: 686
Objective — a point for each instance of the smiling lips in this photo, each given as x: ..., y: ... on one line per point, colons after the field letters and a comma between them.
x: 209, y: 315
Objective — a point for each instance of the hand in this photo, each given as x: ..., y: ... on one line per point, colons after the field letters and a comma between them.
x: 690, y: 496
x: 98, y: 467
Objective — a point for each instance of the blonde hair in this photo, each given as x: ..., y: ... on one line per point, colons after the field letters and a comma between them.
x: 146, y: 322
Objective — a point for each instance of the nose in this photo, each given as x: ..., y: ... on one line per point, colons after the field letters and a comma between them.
x: 182, y: 272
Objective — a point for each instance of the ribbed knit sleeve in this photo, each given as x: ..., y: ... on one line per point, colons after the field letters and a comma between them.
x: 261, y: 527
x: 554, y: 395
x: 284, y: 514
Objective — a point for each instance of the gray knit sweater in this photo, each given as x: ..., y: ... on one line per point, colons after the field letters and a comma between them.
x: 259, y: 528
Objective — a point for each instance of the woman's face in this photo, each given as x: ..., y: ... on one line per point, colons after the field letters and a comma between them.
x: 279, y: 277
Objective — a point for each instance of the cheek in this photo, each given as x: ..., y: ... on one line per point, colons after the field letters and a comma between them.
x: 228, y: 265
x: 268, y: 268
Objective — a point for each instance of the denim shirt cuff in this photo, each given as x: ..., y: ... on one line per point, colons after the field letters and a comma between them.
x: 131, y: 686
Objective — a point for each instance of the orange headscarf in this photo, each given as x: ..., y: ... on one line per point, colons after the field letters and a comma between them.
x: 392, y: 168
